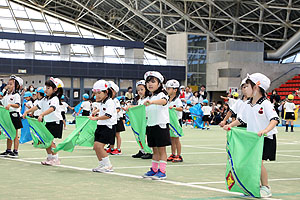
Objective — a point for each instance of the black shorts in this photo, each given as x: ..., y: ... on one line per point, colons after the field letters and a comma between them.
x: 16, y: 120
x: 63, y: 114
x: 206, y: 118
x: 186, y: 115
x: 36, y: 117
x: 105, y: 135
x: 55, y: 128
x: 269, y: 152
x: 85, y: 113
x: 180, y: 122
x: 233, y: 115
x: 158, y: 137
x: 120, y: 126
x: 289, y: 116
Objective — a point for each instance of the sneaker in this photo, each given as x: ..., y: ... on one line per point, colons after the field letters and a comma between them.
x: 13, y: 154
x: 159, y: 176
x: 292, y: 130
x: 207, y: 128
x: 103, y: 169
x: 5, y: 153
x: 55, y: 162
x: 149, y: 174
x: 47, y: 161
x: 116, y: 152
x: 138, y: 155
x: 286, y: 131
x: 177, y: 159
x: 265, y: 191
x: 109, y: 150
x: 147, y: 156
x: 171, y: 157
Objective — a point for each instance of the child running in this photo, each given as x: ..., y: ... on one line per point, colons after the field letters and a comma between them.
x: 158, y: 135
x: 51, y: 114
x: 261, y: 118
x: 12, y: 102
x: 175, y: 102
x: 107, y: 117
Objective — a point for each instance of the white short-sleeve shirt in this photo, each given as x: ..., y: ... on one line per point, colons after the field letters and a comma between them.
x: 157, y: 114
x: 12, y: 99
x: 38, y: 111
x: 28, y: 103
x: 238, y: 106
x: 118, y: 106
x: 289, y: 107
x: 141, y: 101
x: 86, y: 105
x: 65, y: 107
x: 177, y: 103
x: 206, y: 110
x: 258, y: 116
x: 108, y: 108
x: 45, y: 103
x: 231, y: 102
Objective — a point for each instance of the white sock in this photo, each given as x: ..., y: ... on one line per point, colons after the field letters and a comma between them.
x: 49, y: 156
x: 101, y: 162
x: 55, y: 156
x: 106, y: 161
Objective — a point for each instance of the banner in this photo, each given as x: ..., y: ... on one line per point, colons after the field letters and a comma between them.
x: 175, y: 128
x: 7, y: 129
x: 197, y: 114
x: 25, y: 132
x: 244, y: 156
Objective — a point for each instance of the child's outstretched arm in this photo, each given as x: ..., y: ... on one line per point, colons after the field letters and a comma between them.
x: 157, y: 102
x: 271, y: 125
x: 232, y: 124
x: 33, y: 109
x: 46, y: 112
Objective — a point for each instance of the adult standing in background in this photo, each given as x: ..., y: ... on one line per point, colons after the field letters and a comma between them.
x: 202, y: 94
x: 188, y: 94
x: 129, y: 95
x: 275, y: 100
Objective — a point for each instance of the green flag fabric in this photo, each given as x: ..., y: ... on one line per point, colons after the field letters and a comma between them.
x: 87, y: 135
x: 175, y: 128
x: 41, y: 136
x: 244, y: 157
x: 137, y: 116
x: 7, y: 129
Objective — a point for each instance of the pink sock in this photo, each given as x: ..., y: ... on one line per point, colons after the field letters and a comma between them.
x: 163, y: 166
x: 155, y: 165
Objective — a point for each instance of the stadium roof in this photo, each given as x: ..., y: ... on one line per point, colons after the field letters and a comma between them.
x: 272, y: 22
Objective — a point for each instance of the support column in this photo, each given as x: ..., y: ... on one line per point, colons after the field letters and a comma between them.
x: 134, y: 56
x: 98, y: 55
x: 65, y: 52
x: 30, y: 50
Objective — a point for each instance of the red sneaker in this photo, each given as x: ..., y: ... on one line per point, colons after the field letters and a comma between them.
x: 177, y: 159
x: 109, y: 150
x: 116, y: 152
x: 171, y: 157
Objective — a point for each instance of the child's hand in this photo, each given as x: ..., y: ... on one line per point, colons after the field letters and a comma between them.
x: 227, y: 127
x: 125, y: 108
x: 147, y: 103
x: 93, y: 118
x: 24, y: 115
x: 40, y: 118
x: 262, y: 133
x: 171, y: 107
x: 7, y: 107
x: 222, y: 123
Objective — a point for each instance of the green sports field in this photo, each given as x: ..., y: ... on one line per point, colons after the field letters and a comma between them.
x: 200, y: 176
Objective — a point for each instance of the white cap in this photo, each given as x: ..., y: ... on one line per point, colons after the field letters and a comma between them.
x: 57, y: 82
x: 260, y: 80
x: 114, y: 86
x: 141, y: 82
x: 154, y: 74
x: 182, y: 87
x: 100, y: 85
x: 20, y: 81
x: 243, y: 81
x: 172, y: 84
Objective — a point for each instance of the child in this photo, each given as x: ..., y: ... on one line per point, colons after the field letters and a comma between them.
x: 206, y: 114
x: 12, y: 102
x: 186, y: 112
x: 1, y: 97
x: 85, y: 106
x: 175, y: 102
x: 104, y: 133
x: 261, y: 118
x: 289, y: 108
x: 143, y: 94
x: 28, y: 104
x: 158, y: 135
x: 40, y: 94
x: 64, y: 109
x: 119, y: 124
x: 51, y: 114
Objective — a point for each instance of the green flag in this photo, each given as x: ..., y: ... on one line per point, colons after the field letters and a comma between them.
x: 7, y: 129
x: 41, y: 136
x: 175, y: 128
x: 244, y: 157
x: 87, y: 135
x: 137, y: 116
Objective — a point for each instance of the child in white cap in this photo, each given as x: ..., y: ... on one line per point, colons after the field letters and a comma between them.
x: 261, y: 118
x: 106, y: 119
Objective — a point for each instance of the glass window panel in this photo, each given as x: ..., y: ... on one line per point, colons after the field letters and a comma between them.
x: 5, y: 12
x: 110, y: 51
x: 39, y: 26
x: 297, y: 59
x: 68, y: 27
x: 7, y: 23
x: 76, y: 82
x: 78, y: 48
x: 3, y: 3
x: 97, y: 36
x: 124, y: 84
x: 25, y: 24
x: 20, y: 13
x: 17, y: 45
x: 55, y: 27
x: 86, y: 33
x: 48, y: 47
x: 3, y: 44
x: 89, y: 82
x: 51, y: 19
x: 33, y: 14
x: 81, y: 59
x: 16, y: 6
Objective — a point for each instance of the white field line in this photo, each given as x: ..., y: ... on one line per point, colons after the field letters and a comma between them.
x: 219, y: 182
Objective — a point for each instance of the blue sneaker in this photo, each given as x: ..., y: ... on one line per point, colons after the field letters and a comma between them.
x: 149, y: 174
x: 159, y: 176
